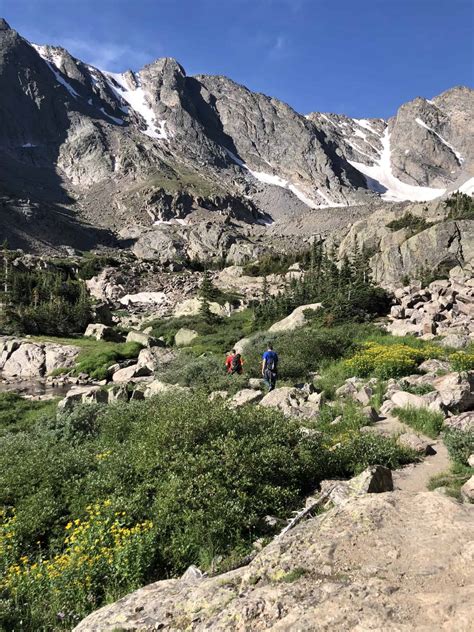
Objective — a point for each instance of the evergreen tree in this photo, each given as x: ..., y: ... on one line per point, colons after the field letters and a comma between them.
x: 207, y: 290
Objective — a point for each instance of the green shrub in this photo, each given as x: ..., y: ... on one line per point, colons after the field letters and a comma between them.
x: 462, y: 361
x: 204, y: 475
x: 412, y: 222
x: 364, y: 449
x: 104, y: 556
x: 300, y: 352
x: 460, y: 444
x: 452, y: 480
x: 18, y: 413
x: 429, y: 422
x: 389, y: 360
x: 206, y: 371
x: 418, y: 389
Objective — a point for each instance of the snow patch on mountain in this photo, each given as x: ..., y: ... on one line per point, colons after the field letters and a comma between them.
x: 467, y: 187
x: 380, y: 179
x: 136, y: 98
x: 268, y: 178
x: 112, y: 118
x: 460, y: 159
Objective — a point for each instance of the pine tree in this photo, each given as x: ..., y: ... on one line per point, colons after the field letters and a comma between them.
x: 207, y: 290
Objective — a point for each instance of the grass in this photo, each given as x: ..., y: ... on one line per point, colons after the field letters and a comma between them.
x: 217, y: 337
x: 95, y: 356
x: 184, y: 180
x: 418, y: 389
x: 95, y: 360
x: 294, y: 575
x: 452, y: 480
x: 428, y: 422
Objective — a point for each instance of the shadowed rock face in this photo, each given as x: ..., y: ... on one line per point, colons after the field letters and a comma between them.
x: 136, y: 148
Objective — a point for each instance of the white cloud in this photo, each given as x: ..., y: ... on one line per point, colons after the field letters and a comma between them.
x: 108, y: 55
x: 279, y: 48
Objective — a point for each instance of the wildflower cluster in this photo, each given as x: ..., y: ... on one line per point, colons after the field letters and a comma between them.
x: 102, y: 557
x: 462, y: 361
x: 386, y: 361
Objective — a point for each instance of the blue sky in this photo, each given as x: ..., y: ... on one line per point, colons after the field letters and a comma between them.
x: 358, y: 57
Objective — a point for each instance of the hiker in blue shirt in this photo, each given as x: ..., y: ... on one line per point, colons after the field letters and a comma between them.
x: 270, y: 367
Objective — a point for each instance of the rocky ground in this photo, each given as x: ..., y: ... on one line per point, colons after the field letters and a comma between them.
x: 394, y: 561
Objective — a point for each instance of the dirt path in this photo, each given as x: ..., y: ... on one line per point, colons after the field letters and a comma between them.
x: 415, y: 477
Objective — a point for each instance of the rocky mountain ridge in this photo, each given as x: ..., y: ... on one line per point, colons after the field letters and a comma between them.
x: 95, y: 158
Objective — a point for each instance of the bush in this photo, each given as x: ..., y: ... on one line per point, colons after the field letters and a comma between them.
x: 369, y: 448
x: 412, y: 222
x: 452, y: 480
x: 300, y: 352
x: 18, y: 413
x: 206, y: 371
x: 462, y: 361
x: 429, y: 422
x: 460, y: 444
x: 87, y: 487
x: 386, y: 361
x: 104, y: 556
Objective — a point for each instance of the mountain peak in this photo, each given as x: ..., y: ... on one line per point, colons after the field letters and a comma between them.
x: 4, y: 26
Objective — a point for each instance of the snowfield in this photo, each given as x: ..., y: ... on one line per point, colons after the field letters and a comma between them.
x: 268, y: 178
x: 137, y: 100
x: 380, y: 179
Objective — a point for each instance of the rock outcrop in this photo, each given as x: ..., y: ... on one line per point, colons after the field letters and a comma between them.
x: 23, y: 360
x: 353, y: 568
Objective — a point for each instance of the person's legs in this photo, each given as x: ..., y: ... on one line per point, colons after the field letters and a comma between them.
x: 267, y: 378
x: 273, y: 379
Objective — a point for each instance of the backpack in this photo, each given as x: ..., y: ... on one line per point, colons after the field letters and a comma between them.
x: 271, y: 363
x: 236, y: 363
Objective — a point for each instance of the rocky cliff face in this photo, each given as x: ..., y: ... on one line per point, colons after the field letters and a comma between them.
x: 86, y: 153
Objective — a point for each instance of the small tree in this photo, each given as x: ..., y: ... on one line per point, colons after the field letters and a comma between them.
x: 207, y: 290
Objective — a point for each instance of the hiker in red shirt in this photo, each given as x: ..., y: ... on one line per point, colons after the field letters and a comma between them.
x: 234, y: 363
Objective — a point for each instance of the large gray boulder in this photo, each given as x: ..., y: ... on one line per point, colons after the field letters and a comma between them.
x: 293, y: 402
x: 415, y: 442
x: 26, y: 362
x: 84, y: 395
x: 192, y: 307
x: 128, y: 373
x: 376, y: 479
x: 59, y: 357
x: 456, y: 390
x: 296, y: 319
x: 22, y: 359
x: 155, y: 358
x: 99, y: 332
x: 143, y: 339
x: 467, y: 490
x: 7, y: 347
x: 463, y: 422
x: 449, y: 244
x: 244, y: 397
x: 184, y: 337
x: 157, y: 387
